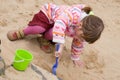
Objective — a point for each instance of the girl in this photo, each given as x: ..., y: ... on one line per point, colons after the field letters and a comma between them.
x: 55, y: 22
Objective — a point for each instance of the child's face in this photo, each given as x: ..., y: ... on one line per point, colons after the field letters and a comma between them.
x: 79, y: 31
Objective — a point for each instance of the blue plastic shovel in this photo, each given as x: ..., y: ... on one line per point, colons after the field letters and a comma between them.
x: 56, y: 63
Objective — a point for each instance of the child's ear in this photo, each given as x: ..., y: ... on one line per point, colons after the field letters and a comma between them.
x: 87, y: 9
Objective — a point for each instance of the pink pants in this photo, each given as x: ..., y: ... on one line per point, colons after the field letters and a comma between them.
x: 39, y: 30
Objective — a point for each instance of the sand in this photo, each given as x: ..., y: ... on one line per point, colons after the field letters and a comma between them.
x: 101, y: 59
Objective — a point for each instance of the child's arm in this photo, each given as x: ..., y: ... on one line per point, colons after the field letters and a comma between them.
x: 76, y: 49
x: 59, y: 28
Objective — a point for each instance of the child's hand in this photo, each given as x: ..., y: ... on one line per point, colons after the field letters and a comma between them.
x: 78, y: 63
x: 58, y: 54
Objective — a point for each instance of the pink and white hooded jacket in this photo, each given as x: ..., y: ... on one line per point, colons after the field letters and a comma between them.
x: 65, y: 19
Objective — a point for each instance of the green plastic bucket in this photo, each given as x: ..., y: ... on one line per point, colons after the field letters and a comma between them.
x: 22, y: 59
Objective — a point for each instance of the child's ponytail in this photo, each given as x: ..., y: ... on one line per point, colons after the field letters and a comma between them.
x: 87, y: 9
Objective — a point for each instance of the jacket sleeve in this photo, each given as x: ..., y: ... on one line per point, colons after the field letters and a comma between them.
x: 76, y: 48
x: 59, y: 28
x: 59, y: 34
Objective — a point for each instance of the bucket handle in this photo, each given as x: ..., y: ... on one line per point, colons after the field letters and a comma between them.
x: 19, y: 61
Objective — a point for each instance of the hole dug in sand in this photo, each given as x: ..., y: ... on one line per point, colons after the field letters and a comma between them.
x: 92, y: 60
